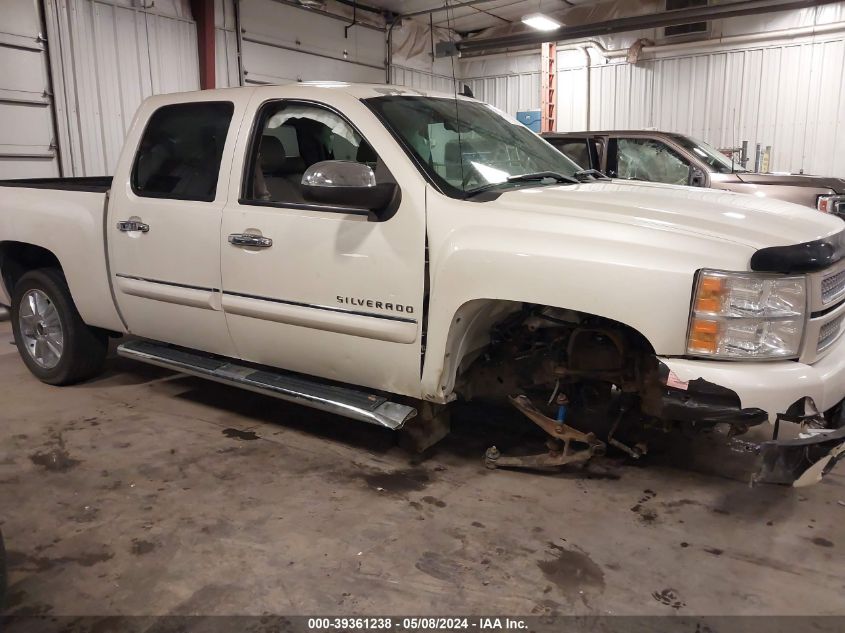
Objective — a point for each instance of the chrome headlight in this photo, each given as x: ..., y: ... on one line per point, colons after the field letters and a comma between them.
x: 747, y: 316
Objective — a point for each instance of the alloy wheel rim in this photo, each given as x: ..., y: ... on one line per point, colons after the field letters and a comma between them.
x: 41, y: 329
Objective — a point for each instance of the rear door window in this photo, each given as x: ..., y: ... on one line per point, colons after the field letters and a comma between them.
x: 180, y: 151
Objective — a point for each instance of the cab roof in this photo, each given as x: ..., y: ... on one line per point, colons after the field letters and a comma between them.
x: 357, y: 90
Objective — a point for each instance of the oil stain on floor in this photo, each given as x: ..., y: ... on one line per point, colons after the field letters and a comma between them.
x: 572, y: 570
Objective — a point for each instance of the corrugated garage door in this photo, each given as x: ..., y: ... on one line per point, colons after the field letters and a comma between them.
x: 106, y: 57
x: 282, y: 43
x: 27, y: 147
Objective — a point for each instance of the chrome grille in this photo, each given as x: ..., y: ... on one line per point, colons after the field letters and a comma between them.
x: 833, y: 287
x: 829, y: 333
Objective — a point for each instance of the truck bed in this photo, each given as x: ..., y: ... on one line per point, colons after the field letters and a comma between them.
x: 65, y: 216
x: 94, y: 184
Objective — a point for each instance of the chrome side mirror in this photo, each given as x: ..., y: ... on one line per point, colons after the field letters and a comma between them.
x: 339, y: 173
x: 697, y: 177
x: 344, y: 183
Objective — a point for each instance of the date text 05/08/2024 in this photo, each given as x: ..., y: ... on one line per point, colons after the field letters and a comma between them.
x: 416, y: 624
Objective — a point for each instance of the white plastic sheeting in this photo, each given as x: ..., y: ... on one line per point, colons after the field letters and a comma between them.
x: 106, y: 57
x: 413, y: 63
x: 27, y: 143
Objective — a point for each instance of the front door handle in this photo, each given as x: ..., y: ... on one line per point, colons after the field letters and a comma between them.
x: 249, y: 239
x: 132, y: 225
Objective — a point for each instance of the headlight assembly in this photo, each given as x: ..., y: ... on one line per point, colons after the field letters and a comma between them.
x: 830, y: 204
x: 747, y: 316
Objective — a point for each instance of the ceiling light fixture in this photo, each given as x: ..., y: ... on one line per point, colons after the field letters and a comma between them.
x: 541, y: 22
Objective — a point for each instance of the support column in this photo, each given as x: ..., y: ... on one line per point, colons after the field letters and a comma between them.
x: 548, y: 99
x: 203, y: 12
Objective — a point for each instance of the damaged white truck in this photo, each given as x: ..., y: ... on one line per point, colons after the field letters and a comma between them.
x: 379, y: 252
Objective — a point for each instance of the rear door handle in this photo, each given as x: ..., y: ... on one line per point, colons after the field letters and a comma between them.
x: 249, y: 239
x: 132, y: 225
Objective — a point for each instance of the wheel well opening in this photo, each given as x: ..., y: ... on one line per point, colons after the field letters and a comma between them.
x: 18, y: 258
x: 526, y: 340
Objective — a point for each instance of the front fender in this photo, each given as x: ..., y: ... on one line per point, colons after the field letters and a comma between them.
x: 641, y: 277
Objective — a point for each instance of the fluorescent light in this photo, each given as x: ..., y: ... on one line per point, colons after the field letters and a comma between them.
x: 541, y: 22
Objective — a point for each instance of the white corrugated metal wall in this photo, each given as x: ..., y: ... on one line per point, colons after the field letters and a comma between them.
x: 511, y: 83
x: 784, y: 95
x: 27, y: 133
x: 781, y: 91
x: 106, y: 57
x: 773, y: 79
x: 420, y: 79
x: 511, y: 93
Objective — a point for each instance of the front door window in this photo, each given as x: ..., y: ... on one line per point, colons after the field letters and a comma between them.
x: 647, y: 159
x: 294, y: 136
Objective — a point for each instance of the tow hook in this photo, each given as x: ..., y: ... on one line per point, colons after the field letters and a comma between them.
x: 560, y: 443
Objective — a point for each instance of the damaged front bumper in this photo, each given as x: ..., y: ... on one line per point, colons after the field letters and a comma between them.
x: 770, y: 386
x: 803, y: 461
x: 745, y: 394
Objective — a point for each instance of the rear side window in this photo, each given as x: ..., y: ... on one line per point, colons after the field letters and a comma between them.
x: 180, y: 152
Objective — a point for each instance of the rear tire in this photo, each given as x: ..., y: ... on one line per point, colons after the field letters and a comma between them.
x: 53, y: 341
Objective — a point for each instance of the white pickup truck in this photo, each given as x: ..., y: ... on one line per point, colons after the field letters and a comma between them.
x: 378, y: 252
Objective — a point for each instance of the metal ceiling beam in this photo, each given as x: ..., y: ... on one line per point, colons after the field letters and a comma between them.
x: 632, y: 23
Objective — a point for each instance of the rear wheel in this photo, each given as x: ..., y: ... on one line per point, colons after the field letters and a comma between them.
x: 53, y: 341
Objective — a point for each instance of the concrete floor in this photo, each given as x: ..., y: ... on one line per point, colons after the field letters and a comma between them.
x: 128, y: 495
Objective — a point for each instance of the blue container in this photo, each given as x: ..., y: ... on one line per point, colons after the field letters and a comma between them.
x: 530, y: 119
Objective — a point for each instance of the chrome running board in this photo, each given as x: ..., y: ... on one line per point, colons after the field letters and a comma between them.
x: 309, y: 392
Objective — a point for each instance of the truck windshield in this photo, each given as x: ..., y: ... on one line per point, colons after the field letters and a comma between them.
x: 712, y: 157
x: 467, y: 146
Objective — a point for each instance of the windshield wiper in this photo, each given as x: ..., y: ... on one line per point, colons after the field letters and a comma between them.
x: 586, y: 175
x: 542, y: 175
x: 539, y: 176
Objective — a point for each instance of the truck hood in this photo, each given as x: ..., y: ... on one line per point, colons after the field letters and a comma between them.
x: 794, y: 180
x: 743, y: 219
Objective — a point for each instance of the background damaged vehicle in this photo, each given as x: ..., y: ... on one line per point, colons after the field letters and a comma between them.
x: 682, y: 160
x: 380, y: 252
